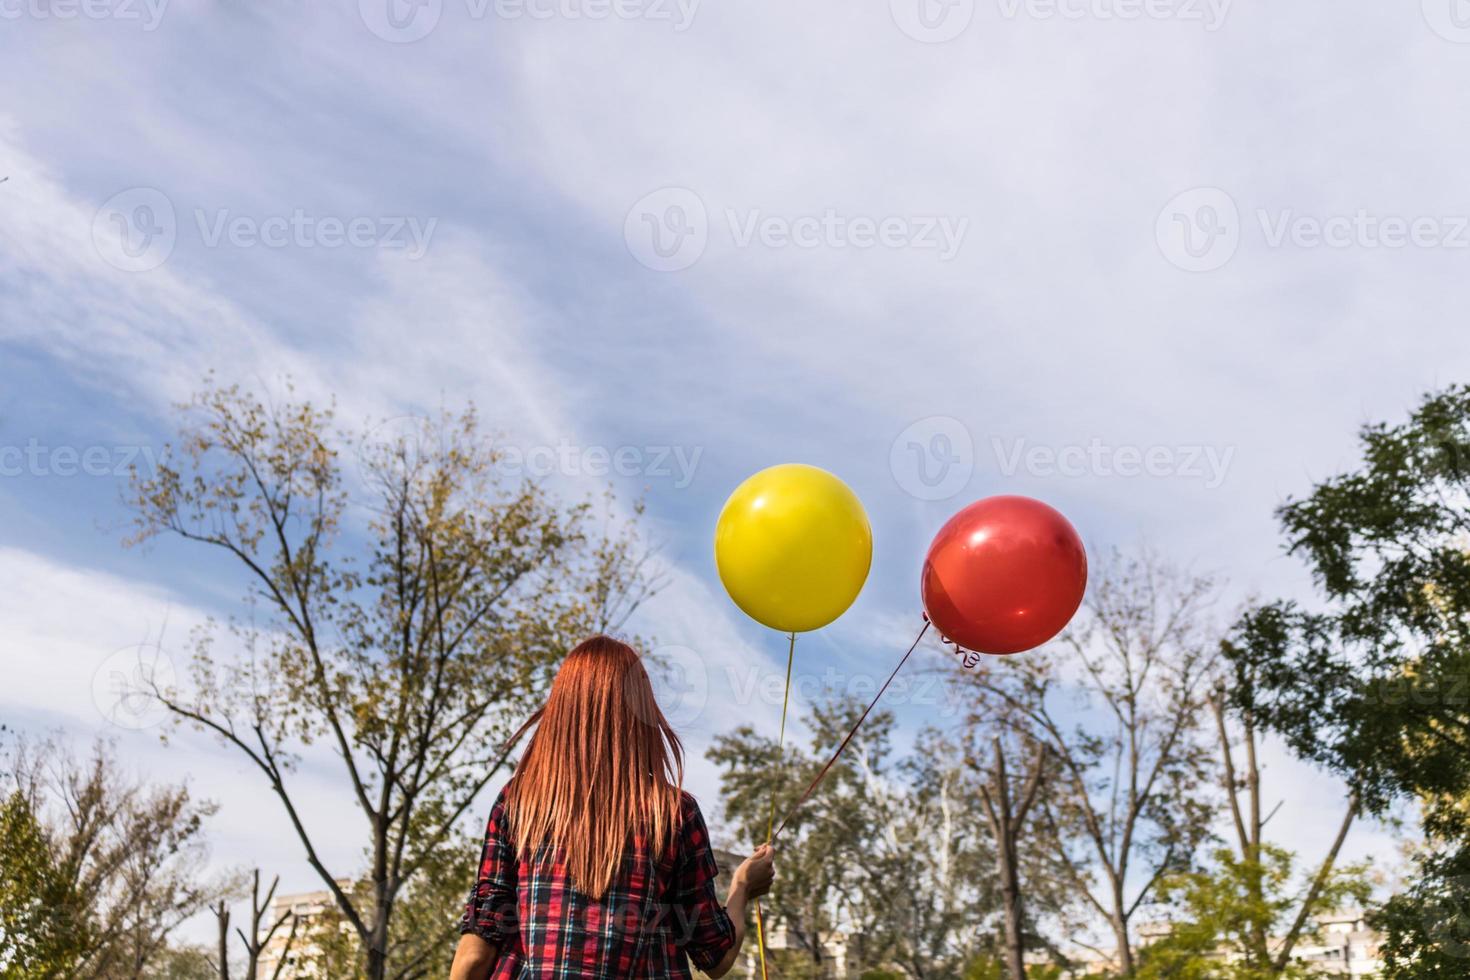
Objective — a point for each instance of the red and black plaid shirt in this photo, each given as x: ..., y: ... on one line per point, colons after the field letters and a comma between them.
x: 659, y: 909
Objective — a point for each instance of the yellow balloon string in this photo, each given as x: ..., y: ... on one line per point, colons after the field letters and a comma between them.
x: 760, y: 922
x: 760, y: 936
x: 781, y: 740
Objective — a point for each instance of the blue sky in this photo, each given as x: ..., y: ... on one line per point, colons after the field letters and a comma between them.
x: 1070, y: 235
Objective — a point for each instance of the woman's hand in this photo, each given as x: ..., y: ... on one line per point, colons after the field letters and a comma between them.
x: 751, y: 880
x: 755, y: 874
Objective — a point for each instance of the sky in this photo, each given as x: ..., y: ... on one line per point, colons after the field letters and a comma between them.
x: 1153, y: 261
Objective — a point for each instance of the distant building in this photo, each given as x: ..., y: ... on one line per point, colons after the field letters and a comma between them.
x: 304, y: 908
x: 1346, y: 945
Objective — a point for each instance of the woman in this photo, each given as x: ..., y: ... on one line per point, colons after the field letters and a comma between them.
x: 596, y: 862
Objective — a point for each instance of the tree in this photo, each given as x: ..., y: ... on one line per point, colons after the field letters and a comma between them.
x: 259, y: 935
x: 932, y: 839
x: 1427, y: 926
x: 185, y: 963
x: 819, y: 844
x: 96, y: 870
x: 1371, y: 683
x: 1118, y: 701
x: 887, y: 852
x: 41, y: 922
x: 1010, y: 772
x: 1007, y: 808
x: 409, y: 634
x: 425, y: 920
x: 1254, y: 879
x: 1228, y: 915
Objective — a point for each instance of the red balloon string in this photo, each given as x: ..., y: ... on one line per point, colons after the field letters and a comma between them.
x: 848, y: 738
x: 968, y: 658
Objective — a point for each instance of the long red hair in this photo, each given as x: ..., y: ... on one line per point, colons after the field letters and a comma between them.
x: 602, y: 767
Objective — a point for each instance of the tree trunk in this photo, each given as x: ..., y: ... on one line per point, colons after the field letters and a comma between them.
x: 377, y: 963
x: 223, y: 915
x: 1010, y: 884
x: 1120, y: 933
x: 1010, y: 890
x: 1006, y: 821
x: 377, y: 941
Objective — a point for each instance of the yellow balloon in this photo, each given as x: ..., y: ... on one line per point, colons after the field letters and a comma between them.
x: 793, y: 547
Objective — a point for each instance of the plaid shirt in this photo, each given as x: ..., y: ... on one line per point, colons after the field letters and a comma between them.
x: 658, y: 910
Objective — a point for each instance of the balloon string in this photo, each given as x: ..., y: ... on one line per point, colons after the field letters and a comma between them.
x: 781, y: 740
x: 760, y: 937
x: 849, y: 736
x: 969, y: 659
x: 760, y: 923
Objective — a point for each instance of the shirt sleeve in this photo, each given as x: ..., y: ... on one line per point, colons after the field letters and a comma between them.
x: 490, y: 912
x: 707, y: 933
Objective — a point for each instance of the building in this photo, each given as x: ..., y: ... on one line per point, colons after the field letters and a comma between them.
x: 305, y: 909
x: 1345, y: 946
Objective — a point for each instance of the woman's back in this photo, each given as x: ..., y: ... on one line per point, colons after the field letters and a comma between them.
x: 659, y: 908
x: 596, y: 862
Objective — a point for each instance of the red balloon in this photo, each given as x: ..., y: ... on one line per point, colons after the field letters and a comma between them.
x: 1004, y: 575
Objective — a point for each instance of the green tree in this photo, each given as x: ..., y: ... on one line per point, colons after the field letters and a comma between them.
x: 889, y: 852
x: 1372, y: 682
x: 1228, y: 914
x: 406, y: 611
x: 42, y: 929
x: 823, y: 843
x: 1267, y: 942
x: 1427, y: 926
x: 185, y: 963
x: 97, y: 870
x: 990, y: 968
